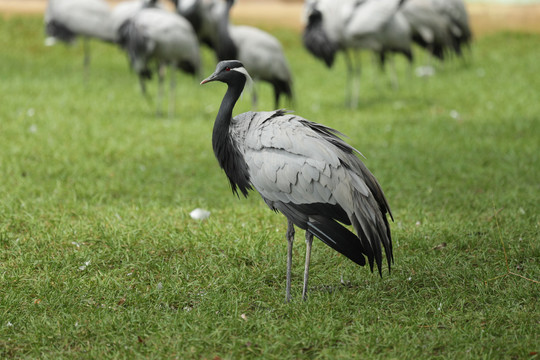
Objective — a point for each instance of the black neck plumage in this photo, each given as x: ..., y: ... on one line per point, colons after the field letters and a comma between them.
x: 226, y: 149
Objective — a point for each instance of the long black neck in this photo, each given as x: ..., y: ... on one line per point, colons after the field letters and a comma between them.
x: 225, y: 47
x: 224, y: 116
x: 192, y: 14
x: 225, y: 148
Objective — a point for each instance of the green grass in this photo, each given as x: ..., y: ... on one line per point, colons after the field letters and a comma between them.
x: 90, y: 176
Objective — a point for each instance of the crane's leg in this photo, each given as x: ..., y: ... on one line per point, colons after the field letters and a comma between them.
x: 393, y: 73
x: 309, y: 242
x: 348, y: 63
x: 86, y: 62
x: 430, y: 56
x: 356, y: 79
x: 142, y: 83
x: 143, y: 86
x: 290, y: 240
x: 172, y: 91
x: 161, y: 76
x: 410, y: 68
x: 254, y: 99
x: 379, y: 63
x: 353, y: 79
x: 468, y: 55
x: 276, y: 98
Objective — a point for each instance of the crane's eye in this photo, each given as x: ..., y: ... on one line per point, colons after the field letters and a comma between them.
x: 227, y: 69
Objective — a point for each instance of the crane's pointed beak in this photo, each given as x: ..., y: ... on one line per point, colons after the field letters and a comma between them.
x: 208, y: 79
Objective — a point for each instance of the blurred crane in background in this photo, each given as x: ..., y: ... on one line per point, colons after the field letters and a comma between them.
x: 349, y: 26
x: 440, y: 26
x: 305, y: 171
x: 260, y: 52
x: 158, y: 37
x: 65, y: 20
x: 460, y: 28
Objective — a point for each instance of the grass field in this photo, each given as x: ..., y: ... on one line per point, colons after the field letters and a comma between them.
x: 99, y: 257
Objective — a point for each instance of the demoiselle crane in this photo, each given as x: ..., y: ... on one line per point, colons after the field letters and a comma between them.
x: 439, y: 26
x: 460, y: 29
x: 65, y: 20
x: 260, y: 52
x: 305, y: 171
x: 127, y: 9
x: 158, y: 36
x: 204, y: 16
x: 430, y: 29
x: 351, y: 25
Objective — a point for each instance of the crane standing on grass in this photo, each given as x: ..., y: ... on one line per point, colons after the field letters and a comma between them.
x: 260, y: 52
x: 305, y: 171
x: 159, y: 36
x: 460, y: 30
x: 65, y: 20
x: 350, y: 26
x: 440, y: 26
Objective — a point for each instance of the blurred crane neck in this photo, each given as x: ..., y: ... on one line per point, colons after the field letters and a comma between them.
x: 225, y: 48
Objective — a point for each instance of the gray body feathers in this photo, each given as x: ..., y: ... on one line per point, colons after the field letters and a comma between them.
x: 156, y: 34
x: 67, y: 19
x: 304, y: 170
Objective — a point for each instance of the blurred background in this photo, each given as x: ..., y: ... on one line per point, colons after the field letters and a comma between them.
x: 485, y: 16
x: 102, y: 257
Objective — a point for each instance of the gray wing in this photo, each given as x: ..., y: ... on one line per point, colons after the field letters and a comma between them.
x: 307, y: 172
x: 336, y: 14
x: 90, y: 18
x: 456, y: 12
x: 157, y: 33
x: 369, y: 18
x: 260, y: 52
x: 173, y: 34
x: 430, y: 28
x: 127, y: 9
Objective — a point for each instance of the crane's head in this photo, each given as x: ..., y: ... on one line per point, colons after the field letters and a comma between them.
x: 230, y: 72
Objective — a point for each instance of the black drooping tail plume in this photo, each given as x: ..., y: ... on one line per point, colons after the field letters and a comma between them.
x: 348, y: 244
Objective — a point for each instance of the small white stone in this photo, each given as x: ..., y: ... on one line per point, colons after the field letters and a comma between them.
x: 199, y: 214
x: 50, y: 41
x: 424, y: 71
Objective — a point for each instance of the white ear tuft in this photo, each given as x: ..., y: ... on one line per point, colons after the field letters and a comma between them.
x: 249, y: 80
